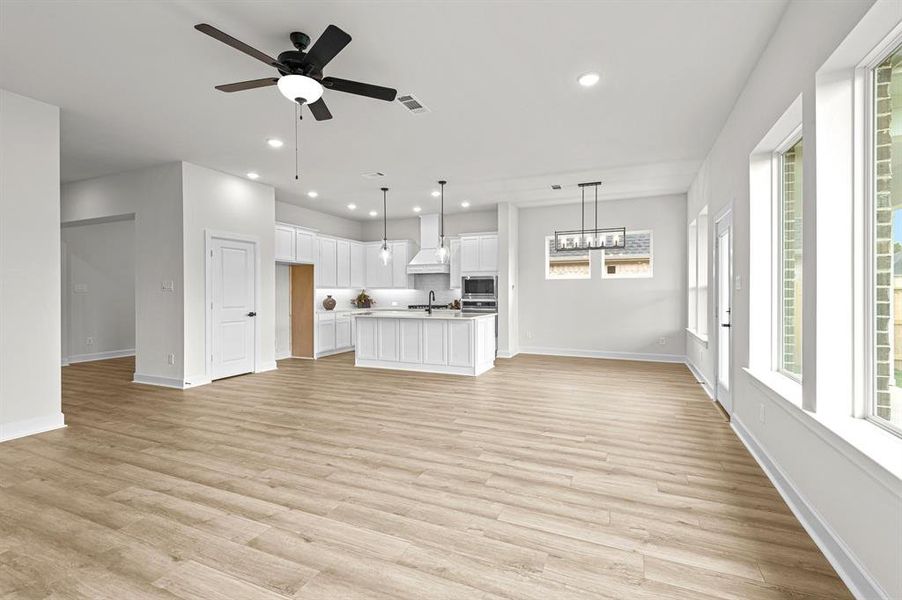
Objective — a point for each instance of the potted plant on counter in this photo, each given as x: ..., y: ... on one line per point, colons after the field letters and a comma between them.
x: 363, y: 300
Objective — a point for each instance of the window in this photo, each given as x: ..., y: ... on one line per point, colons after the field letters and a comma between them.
x: 632, y: 261
x: 789, y: 261
x: 697, y: 271
x: 692, y: 283
x: 886, y: 172
x: 567, y: 264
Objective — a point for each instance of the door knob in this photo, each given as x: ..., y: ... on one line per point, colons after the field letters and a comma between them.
x: 252, y: 314
x: 725, y: 325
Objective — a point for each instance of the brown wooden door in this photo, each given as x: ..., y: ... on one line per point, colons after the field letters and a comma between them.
x: 302, y: 294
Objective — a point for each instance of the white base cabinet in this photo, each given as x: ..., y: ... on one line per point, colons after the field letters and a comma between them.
x: 457, y: 346
x: 334, y: 333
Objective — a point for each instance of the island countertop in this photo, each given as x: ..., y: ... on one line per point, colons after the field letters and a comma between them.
x: 421, y: 314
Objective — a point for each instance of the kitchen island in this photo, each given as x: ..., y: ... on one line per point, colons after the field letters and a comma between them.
x: 442, y: 342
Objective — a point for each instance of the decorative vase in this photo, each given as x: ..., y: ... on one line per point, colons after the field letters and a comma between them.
x: 329, y: 302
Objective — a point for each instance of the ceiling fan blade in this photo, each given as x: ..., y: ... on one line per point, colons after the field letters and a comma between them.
x: 320, y: 110
x: 361, y: 89
x: 330, y: 43
x: 247, y: 85
x: 239, y: 45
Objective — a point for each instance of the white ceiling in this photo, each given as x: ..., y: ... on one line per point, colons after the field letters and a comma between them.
x: 135, y: 84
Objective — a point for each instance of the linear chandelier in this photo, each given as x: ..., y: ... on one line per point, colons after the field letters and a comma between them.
x: 582, y: 239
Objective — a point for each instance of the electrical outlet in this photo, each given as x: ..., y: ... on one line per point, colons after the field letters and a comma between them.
x: 761, y: 414
x: 738, y: 283
x: 394, y: 303
x: 171, y: 359
x: 89, y: 341
x: 167, y: 286
x: 529, y: 335
x: 662, y: 340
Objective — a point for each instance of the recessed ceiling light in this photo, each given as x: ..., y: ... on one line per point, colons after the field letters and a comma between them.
x: 253, y: 175
x: 352, y: 206
x: 312, y: 194
x: 588, y: 79
x: 417, y: 209
x: 465, y: 204
x: 436, y: 193
x: 275, y: 143
x: 373, y: 213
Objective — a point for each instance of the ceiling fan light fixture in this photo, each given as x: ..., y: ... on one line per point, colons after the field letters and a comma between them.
x: 299, y: 86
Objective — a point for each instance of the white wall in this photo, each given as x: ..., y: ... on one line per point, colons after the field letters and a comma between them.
x: 508, y: 285
x: 154, y: 196
x: 409, y: 229
x: 853, y: 506
x: 283, y: 311
x: 30, y: 399
x: 313, y: 219
x: 99, y: 289
x: 613, y: 317
x: 225, y: 204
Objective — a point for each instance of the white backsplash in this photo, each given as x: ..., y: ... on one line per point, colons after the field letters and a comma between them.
x: 386, y: 298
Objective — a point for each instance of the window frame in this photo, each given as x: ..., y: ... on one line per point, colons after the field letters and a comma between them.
x: 777, y: 321
x: 651, y: 259
x: 868, y: 259
x: 549, y: 239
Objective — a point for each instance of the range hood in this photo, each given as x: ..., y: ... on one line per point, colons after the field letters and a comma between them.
x: 425, y: 260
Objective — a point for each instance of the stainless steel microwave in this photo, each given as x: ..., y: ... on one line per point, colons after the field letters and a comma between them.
x: 476, y: 287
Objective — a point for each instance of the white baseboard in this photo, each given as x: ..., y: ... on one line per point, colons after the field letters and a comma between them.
x: 283, y: 355
x: 849, y: 569
x: 78, y: 358
x: 331, y: 352
x: 267, y: 366
x: 168, y: 382
x: 700, y: 377
x: 25, y: 427
x: 502, y: 354
x: 196, y: 380
x: 669, y: 358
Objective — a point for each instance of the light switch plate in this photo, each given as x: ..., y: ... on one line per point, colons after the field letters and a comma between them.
x: 167, y: 286
x: 738, y: 282
x: 80, y: 288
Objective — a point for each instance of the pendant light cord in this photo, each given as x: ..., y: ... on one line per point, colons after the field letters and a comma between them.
x: 442, y: 225
x: 384, y: 218
x: 596, y: 214
x: 582, y: 215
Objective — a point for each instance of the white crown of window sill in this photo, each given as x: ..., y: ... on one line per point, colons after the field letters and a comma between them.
x: 702, y: 338
x: 874, y: 445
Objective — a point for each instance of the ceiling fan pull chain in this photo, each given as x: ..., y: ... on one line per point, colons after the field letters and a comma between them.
x: 297, y: 124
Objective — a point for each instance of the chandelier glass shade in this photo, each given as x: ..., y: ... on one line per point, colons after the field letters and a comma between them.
x: 594, y: 238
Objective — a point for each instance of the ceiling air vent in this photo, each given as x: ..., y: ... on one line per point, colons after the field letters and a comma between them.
x: 373, y: 175
x: 413, y: 104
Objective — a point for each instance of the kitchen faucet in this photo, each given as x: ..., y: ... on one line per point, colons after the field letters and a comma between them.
x: 431, y: 298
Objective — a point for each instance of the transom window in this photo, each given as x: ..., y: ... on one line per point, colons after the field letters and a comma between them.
x: 632, y: 261
x: 567, y: 264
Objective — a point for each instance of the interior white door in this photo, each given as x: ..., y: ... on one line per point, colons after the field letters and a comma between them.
x: 233, y: 307
x: 724, y: 278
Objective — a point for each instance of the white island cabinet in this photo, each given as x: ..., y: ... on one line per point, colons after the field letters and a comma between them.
x: 443, y: 342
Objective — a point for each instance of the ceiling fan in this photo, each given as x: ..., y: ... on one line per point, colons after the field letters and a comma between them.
x: 301, y: 71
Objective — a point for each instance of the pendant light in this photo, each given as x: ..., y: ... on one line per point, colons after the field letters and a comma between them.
x: 441, y: 253
x: 597, y: 238
x: 385, y: 251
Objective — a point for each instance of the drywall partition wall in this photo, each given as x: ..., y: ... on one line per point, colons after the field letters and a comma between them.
x: 455, y: 224
x: 313, y: 219
x: 99, y: 290
x: 225, y: 204
x: 620, y: 318
x: 154, y: 197
x: 283, y: 311
x: 851, y: 505
x: 29, y: 267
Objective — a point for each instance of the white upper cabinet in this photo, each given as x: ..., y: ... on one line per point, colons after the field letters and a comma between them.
x: 343, y: 263
x: 326, y: 266
x: 455, y: 263
x: 305, y: 246
x: 358, y: 265
x: 283, y: 248
x: 394, y: 274
x: 401, y: 255
x: 479, y: 253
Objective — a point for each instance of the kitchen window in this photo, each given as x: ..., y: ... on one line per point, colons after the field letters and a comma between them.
x: 789, y: 260
x: 566, y: 265
x: 631, y: 262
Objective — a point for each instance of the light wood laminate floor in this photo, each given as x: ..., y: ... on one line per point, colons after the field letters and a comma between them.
x: 544, y: 479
